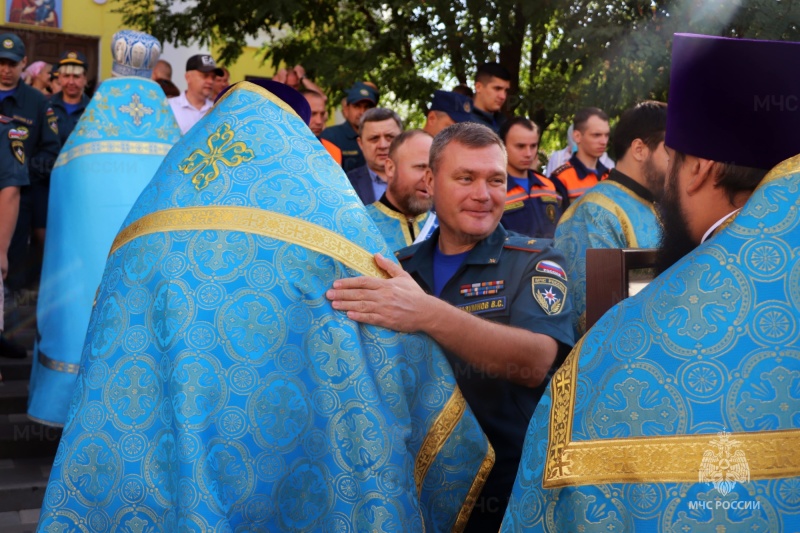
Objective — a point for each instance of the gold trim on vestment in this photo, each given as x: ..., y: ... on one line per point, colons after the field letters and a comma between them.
x: 474, y: 491
x: 258, y: 222
x: 253, y: 88
x: 667, y: 459
x: 45, y: 422
x: 404, y: 220
x: 437, y: 436
x: 58, y: 366
x: 113, y: 147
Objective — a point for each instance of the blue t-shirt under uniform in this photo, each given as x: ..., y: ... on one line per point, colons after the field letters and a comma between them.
x: 444, y: 267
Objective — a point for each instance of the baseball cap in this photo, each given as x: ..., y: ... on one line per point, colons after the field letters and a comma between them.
x: 457, y: 106
x: 203, y: 63
x: 11, y: 47
x: 73, y: 57
x: 361, y: 91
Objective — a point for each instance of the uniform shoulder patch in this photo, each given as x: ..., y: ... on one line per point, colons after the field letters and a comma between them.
x: 549, y: 293
x: 552, y: 268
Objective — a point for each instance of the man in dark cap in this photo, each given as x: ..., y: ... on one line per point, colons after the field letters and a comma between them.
x: 70, y: 102
x: 360, y: 97
x: 37, y: 124
x: 447, y: 108
x: 192, y: 105
x: 678, y: 410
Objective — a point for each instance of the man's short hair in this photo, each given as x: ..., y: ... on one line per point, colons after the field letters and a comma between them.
x: 646, y: 121
x: 583, y: 116
x: 487, y: 71
x: 400, y: 140
x: 469, y: 134
x: 734, y: 179
x: 526, y: 123
x: 379, y: 114
x: 464, y: 89
x: 311, y: 92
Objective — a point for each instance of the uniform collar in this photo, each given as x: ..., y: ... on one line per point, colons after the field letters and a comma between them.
x: 487, y: 251
x: 58, y: 99
x: 581, y: 169
x: 629, y: 183
x: 535, y: 179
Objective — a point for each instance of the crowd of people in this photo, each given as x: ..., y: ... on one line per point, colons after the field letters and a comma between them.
x: 269, y: 263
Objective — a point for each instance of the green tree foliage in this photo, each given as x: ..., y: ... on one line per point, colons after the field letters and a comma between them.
x: 563, y: 54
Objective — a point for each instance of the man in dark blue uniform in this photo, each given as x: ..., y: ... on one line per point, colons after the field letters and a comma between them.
x: 496, y: 302
x: 38, y: 130
x: 533, y: 202
x: 13, y: 175
x: 70, y: 102
x: 360, y: 98
x: 492, y: 82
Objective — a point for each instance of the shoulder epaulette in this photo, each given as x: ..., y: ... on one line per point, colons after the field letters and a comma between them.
x: 561, y: 169
x: 525, y: 244
x: 406, y: 253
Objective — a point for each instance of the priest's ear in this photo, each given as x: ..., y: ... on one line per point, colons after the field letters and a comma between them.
x: 701, y: 173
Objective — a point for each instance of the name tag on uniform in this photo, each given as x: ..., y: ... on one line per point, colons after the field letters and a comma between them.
x: 484, y: 306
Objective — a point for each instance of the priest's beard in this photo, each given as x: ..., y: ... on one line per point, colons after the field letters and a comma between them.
x: 675, y: 239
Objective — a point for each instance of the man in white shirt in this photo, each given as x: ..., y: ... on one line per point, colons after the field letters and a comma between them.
x: 193, y: 104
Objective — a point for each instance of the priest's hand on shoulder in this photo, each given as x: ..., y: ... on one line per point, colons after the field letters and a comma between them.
x: 396, y: 303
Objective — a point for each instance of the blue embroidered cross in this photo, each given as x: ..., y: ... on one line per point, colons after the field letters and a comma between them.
x: 632, y: 412
x: 702, y: 307
x: 91, y: 471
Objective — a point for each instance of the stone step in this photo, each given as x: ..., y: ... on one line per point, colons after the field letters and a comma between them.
x: 23, y: 483
x: 19, y: 521
x: 16, y: 369
x: 13, y: 396
x: 22, y: 438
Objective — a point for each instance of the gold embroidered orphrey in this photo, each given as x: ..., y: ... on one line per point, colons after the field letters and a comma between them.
x: 221, y: 150
x: 257, y: 222
x: 667, y: 459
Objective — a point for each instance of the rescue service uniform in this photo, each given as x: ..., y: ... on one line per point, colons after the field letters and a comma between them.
x: 534, y: 210
x: 13, y: 172
x: 517, y: 281
x: 67, y: 120
x: 346, y: 138
x: 577, y: 179
x: 32, y: 114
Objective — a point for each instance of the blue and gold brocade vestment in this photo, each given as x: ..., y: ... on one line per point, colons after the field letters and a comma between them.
x: 610, y: 215
x: 111, y: 155
x: 680, y: 409
x: 393, y: 225
x: 220, y: 391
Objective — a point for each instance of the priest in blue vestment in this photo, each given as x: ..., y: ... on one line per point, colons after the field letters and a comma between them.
x: 113, y: 152
x: 620, y: 211
x: 220, y: 391
x: 679, y: 411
